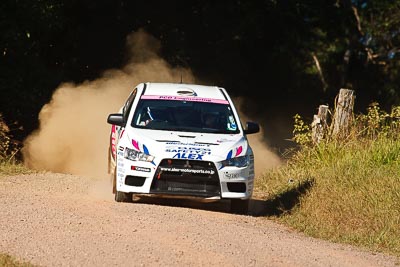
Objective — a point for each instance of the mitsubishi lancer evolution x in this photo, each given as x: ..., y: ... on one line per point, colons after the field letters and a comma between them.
x: 183, y: 140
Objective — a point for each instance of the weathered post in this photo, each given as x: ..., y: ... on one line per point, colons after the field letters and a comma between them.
x: 319, y: 125
x: 343, y: 113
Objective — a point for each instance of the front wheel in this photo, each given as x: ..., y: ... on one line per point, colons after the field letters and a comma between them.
x: 240, y: 206
x: 123, y: 197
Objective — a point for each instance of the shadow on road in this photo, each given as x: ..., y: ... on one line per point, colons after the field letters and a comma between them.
x: 275, y: 206
x: 192, y: 203
x: 282, y: 203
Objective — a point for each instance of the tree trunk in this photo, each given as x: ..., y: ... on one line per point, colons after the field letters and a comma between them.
x: 319, y: 124
x: 343, y: 113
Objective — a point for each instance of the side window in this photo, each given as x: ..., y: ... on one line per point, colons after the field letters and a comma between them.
x: 128, y: 105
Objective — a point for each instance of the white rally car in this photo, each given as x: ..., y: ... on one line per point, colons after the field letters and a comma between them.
x: 181, y: 140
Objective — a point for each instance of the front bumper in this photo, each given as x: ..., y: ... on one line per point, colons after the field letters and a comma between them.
x: 185, y: 178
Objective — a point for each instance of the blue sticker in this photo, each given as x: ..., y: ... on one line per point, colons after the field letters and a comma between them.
x: 145, y: 150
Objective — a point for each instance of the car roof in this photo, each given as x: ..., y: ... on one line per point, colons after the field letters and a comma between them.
x: 184, y: 89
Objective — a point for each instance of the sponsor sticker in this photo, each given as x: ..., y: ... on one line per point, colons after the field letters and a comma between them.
x: 231, y: 175
x: 188, y: 152
x: 188, y: 156
x: 113, y: 140
x: 186, y: 144
x: 186, y: 170
x: 222, y: 140
x: 140, y: 169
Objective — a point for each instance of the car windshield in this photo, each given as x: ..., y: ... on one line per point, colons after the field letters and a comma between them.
x: 188, y: 116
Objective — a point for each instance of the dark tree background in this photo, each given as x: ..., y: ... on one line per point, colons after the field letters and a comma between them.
x: 285, y: 57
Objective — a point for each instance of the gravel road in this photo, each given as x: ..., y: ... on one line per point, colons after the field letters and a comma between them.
x: 54, y: 219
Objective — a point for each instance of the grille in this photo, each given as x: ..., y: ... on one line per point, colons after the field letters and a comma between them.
x: 186, y: 177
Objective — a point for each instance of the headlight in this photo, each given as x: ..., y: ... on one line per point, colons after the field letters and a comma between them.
x: 135, y: 155
x: 242, y: 161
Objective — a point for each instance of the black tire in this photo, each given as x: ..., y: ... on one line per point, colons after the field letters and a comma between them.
x: 123, y: 197
x: 240, y: 206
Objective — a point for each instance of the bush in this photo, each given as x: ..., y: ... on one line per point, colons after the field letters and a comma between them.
x: 8, y: 147
x: 364, y: 127
x: 344, y: 189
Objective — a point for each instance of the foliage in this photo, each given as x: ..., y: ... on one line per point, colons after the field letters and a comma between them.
x: 354, y: 183
x: 10, y: 162
x: 301, y: 131
x: 8, y: 147
x: 372, y: 125
x: 378, y: 123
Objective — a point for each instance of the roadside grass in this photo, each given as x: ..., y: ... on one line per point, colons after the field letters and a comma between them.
x: 8, y: 261
x: 9, y: 148
x: 353, y: 195
x: 13, y: 168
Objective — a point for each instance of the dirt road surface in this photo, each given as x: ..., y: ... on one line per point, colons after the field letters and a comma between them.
x: 65, y: 220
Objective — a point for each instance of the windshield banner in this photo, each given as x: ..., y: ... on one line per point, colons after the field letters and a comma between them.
x: 186, y: 98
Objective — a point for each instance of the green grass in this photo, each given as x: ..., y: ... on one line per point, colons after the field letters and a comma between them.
x: 345, y: 191
x: 8, y: 261
x: 13, y: 168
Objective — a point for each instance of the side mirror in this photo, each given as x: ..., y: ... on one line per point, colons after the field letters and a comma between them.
x: 252, y: 127
x: 116, y: 119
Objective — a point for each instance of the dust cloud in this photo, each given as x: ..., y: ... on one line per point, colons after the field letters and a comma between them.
x: 73, y: 133
x: 264, y: 157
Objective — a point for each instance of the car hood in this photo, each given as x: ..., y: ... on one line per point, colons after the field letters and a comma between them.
x: 187, y: 145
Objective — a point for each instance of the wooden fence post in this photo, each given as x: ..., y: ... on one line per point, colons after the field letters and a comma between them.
x: 343, y: 113
x: 319, y: 125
